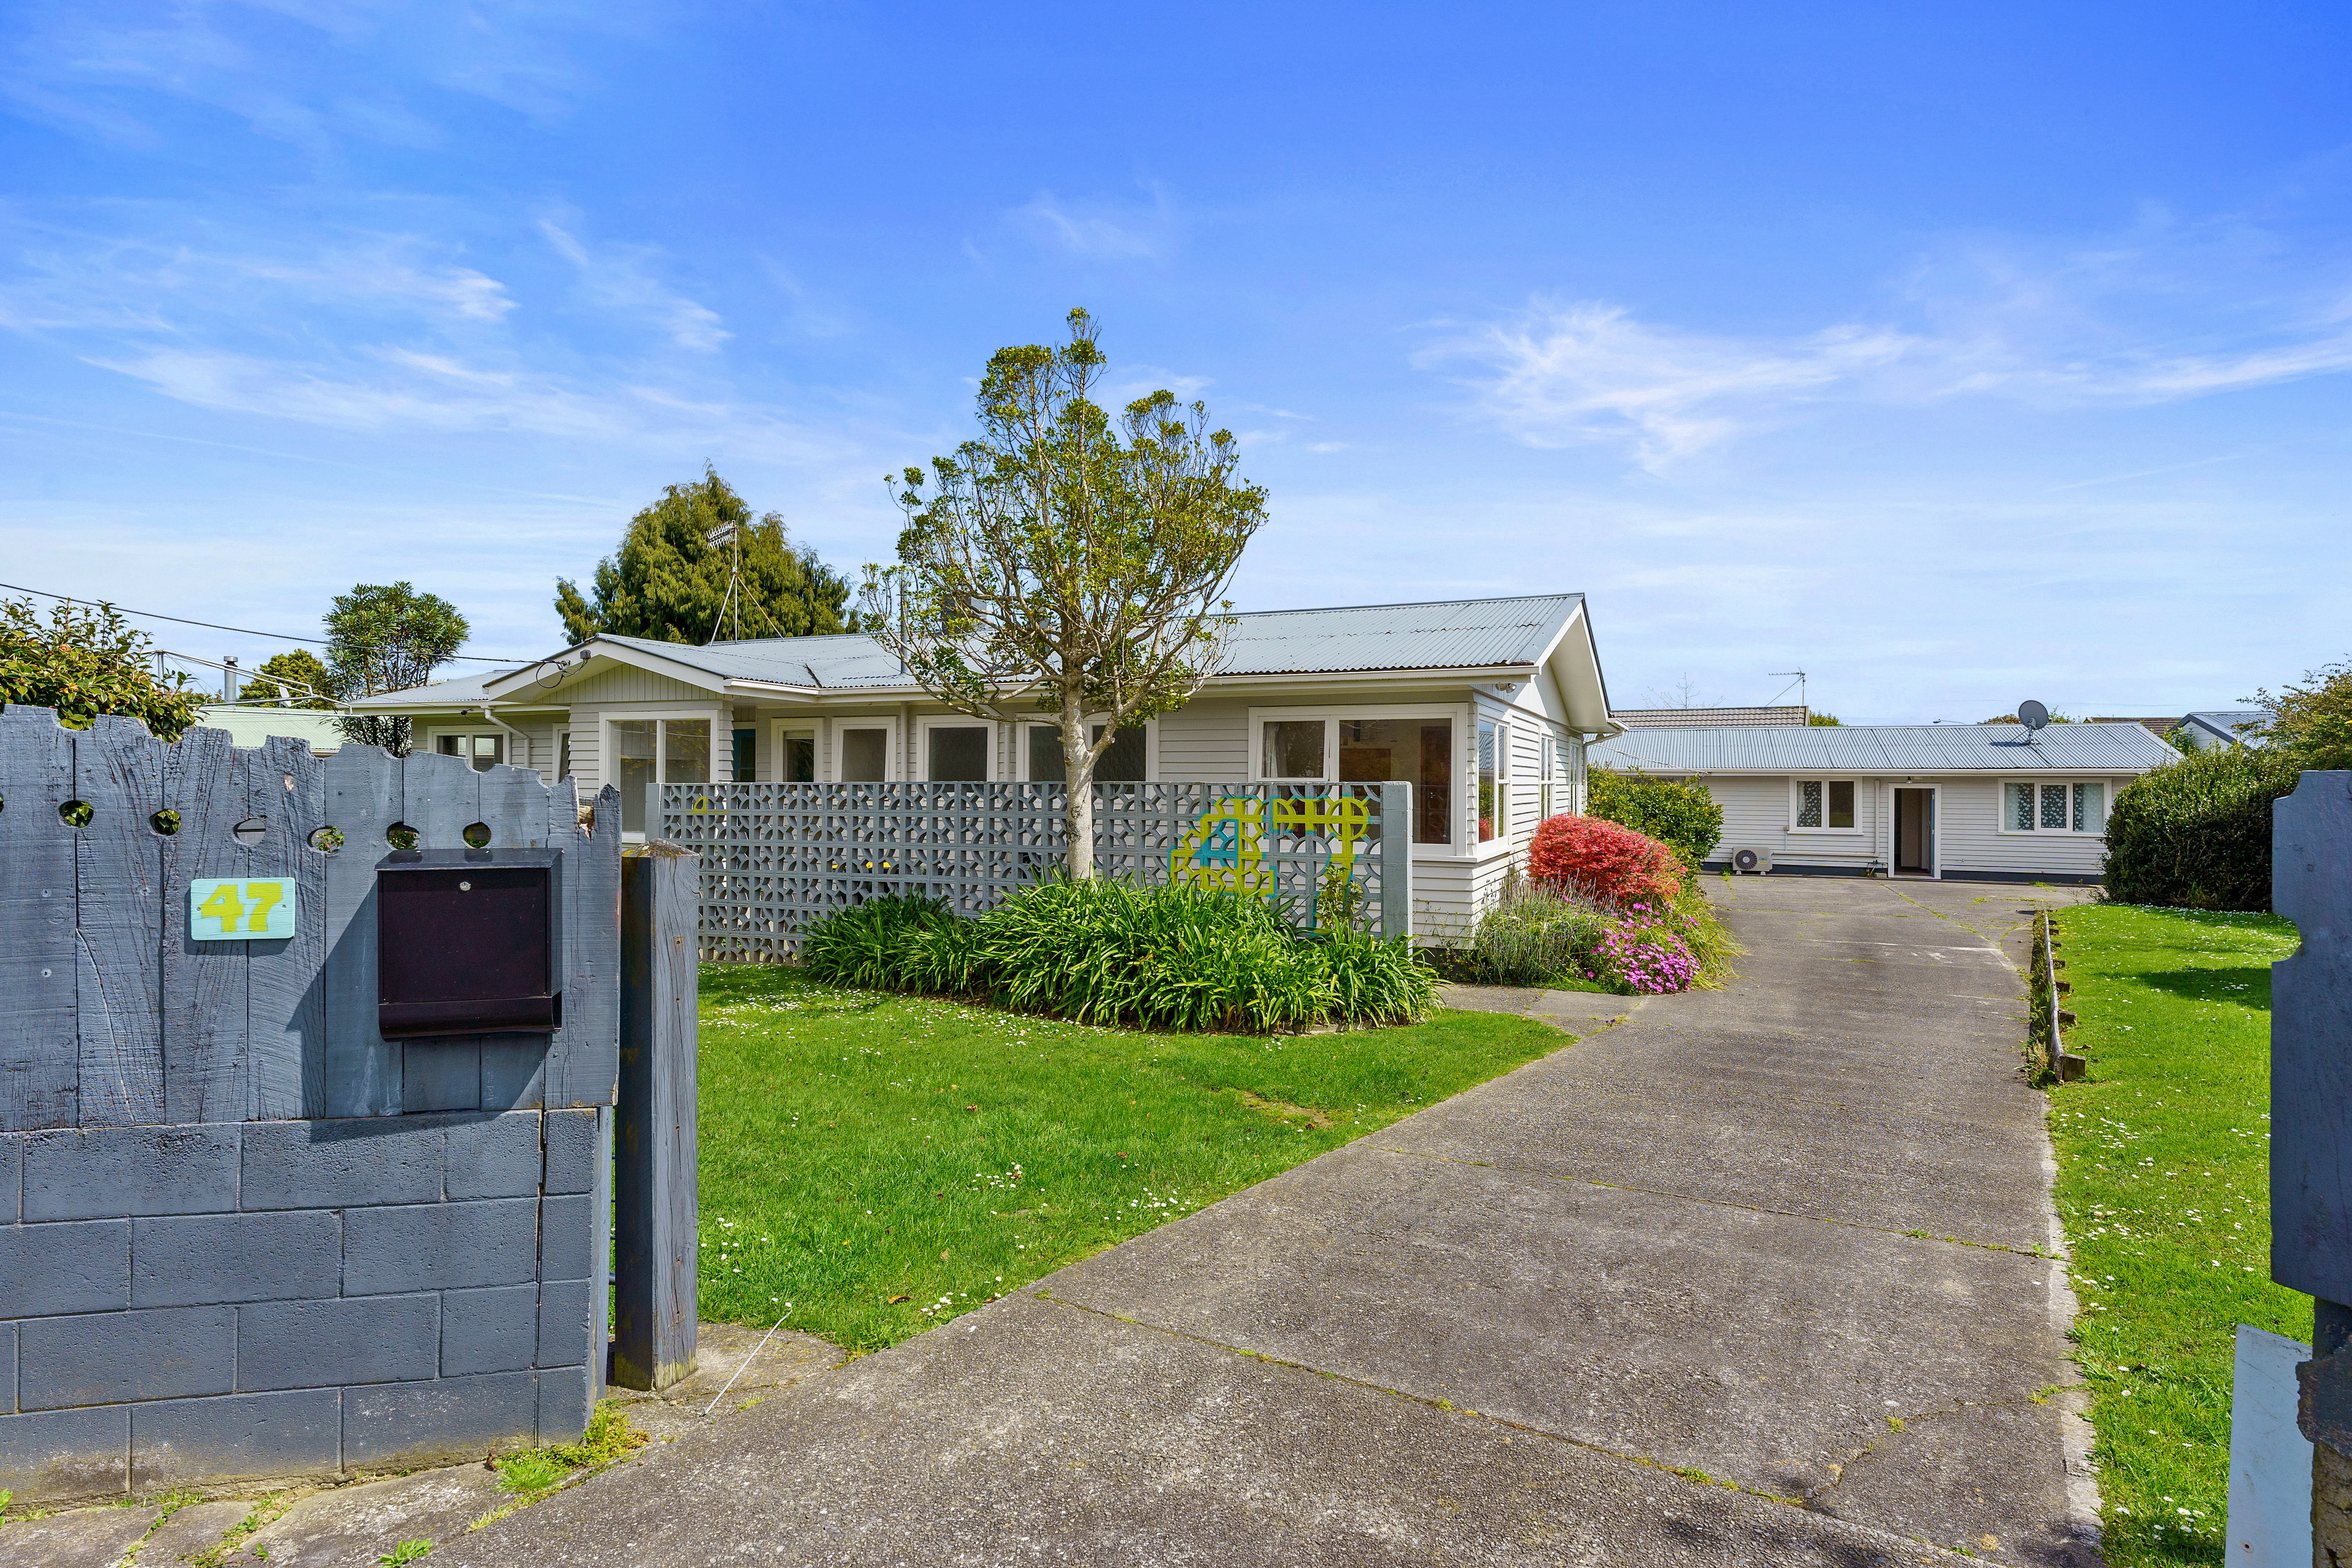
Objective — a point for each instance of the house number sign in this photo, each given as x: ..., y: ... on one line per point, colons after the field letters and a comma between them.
x: 237, y: 909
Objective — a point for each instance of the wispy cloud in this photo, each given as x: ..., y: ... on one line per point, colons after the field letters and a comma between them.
x: 619, y: 278
x: 1560, y: 374
x: 2166, y: 314
x: 1098, y: 231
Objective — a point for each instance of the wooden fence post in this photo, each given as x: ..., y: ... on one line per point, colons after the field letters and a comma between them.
x: 2311, y: 1126
x: 654, y: 1266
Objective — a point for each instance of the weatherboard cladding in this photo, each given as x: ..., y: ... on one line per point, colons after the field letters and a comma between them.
x: 1464, y: 634
x: 1909, y: 749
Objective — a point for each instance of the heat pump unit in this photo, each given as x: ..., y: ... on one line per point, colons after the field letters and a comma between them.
x: 1754, y: 861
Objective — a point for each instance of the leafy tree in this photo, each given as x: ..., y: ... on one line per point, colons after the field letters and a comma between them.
x: 1831, y: 719
x: 387, y: 638
x: 669, y: 582
x: 1055, y: 568
x: 1684, y: 816
x: 2312, y: 722
x: 88, y: 661
x: 302, y: 669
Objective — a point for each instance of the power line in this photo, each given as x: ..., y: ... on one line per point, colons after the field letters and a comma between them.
x: 215, y: 626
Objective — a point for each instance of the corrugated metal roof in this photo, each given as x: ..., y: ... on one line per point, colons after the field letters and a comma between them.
x: 1451, y: 634
x: 1706, y: 718
x: 1448, y: 634
x: 1909, y: 749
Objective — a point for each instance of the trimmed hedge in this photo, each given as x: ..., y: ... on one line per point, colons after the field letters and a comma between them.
x: 2196, y: 834
x: 1110, y: 953
x: 1684, y: 817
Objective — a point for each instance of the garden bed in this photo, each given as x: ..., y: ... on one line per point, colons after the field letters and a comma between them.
x: 2164, y: 1187
x: 883, y: 1162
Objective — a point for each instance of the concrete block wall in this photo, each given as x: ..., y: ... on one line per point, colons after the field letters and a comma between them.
x: 217, y: 1300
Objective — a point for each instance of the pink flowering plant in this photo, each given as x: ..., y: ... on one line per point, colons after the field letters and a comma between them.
x: 1643, y: 958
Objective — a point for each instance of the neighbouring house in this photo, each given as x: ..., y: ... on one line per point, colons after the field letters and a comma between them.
x: 1483, y: 706
x: 1709, y: 718
x: 249, y: 724
x: 1978, y: 802
x: 2221, y: 727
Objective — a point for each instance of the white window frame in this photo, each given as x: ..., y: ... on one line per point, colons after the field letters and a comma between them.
x: 810, y: 726
x: 1465, y: 762
x: 894, y: 759
x: 2001, y: 809
x: 507, y: 747
x: 920, y: 764
x: 661, y: 713
x: 1796, y: 805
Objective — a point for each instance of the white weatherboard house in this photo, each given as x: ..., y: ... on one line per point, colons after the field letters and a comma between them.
x: 1981, y: 802
x: 1484, y: 706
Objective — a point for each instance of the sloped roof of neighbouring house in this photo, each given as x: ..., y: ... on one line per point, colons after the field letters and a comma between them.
x: 1708, y: 718
x: 1468, y: 635
x: 1907, y: 749
x: 2222, y: 723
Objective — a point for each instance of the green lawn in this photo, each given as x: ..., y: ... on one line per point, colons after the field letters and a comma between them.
x: 880, y: 1163
x: 2164, y: 1187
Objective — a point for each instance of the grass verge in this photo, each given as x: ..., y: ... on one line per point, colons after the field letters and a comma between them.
x: 880, y: 1163
x: 2164, y: 1187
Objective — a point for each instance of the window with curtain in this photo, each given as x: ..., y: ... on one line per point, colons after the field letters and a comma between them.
x: 1490, y: 800
x: 2072, y: 807
x: 796, y: 759
x: 1826, y: 803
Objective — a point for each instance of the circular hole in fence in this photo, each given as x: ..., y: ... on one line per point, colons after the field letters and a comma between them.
x: 76, y: 814
x: 400, y: 836
x: 478, y: 835
x: 326, y: 840
x: 166, y: 822
x: 248, y: 832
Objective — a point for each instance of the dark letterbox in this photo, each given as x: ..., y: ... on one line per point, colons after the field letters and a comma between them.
x: 466, y: 942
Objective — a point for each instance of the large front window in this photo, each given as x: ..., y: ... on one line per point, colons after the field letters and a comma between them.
x: 1418, y: 752
x: 682, y: 746
x: 1293, y: 750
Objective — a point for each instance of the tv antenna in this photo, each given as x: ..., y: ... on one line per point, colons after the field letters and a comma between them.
x: 1784, y: 690
x: 2033, y: 716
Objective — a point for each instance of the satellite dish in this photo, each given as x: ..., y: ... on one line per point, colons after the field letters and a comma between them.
x: 2032, y: 714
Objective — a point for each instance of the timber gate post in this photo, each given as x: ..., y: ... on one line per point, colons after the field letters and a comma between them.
x: 654, y: 1283
x: 2311, y: 1128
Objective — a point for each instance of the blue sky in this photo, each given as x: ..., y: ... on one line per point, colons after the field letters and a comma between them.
x: 1953, y: 354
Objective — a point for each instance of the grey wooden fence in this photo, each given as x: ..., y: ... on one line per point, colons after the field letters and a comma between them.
x: 109, y: 1015
x: 655, y: 1220
x: 776, y: 857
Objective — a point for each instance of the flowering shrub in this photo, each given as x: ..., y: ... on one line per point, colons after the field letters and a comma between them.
x: 1642, y: 955
x: 1603, y: 860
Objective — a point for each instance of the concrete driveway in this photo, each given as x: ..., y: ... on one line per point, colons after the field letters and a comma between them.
x: 1758, y: 1276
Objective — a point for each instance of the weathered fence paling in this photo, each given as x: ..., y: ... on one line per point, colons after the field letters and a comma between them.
x: 777, y: 856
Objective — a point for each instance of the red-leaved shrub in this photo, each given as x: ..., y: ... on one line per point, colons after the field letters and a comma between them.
x: 1604, y: 860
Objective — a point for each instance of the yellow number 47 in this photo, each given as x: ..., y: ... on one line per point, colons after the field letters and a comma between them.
x: 241, y: 910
